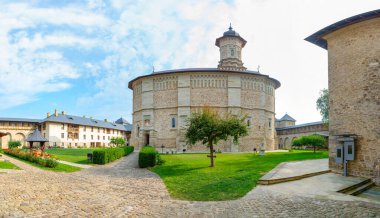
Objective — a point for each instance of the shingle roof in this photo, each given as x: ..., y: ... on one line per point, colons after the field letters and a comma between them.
x: 286, y: 117
x: 85, y: 122
x: 300, y: 125
x: 196, y: 70
x: 317, y: 38
x: 36, y: 137
x: 8, y: 119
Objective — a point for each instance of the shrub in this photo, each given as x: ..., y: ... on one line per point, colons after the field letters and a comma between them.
x: 14, y: 144
x: 148, y: 157
x: 46, y: 162
x: 107, y: 155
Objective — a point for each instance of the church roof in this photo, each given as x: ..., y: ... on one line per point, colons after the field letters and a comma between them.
x: 317, y: 38
x: 36, y: 137
x: 196, y: 70
x: 286, y: 117
x: 230, y: 33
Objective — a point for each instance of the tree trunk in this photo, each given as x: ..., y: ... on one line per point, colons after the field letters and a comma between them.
x: 211, y: 153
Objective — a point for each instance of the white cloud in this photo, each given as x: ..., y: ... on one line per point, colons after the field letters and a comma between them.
x: 31, y: 57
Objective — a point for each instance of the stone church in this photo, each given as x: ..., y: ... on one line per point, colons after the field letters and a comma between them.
x: 164, y: 100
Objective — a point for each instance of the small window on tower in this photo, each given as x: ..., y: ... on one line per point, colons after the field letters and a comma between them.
x: 232, y: 52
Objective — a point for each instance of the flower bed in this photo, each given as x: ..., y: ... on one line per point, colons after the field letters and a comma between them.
x: 33, y: 157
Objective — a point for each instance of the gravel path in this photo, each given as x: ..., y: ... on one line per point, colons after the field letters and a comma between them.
x: 120, y: 189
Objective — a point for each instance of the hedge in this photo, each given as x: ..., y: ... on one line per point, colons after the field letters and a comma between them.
x: 148, y: 157
x: 107, y: 155
x: 46, y: 162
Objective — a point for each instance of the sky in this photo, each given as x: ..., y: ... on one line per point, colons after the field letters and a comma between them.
x: 78, y: 56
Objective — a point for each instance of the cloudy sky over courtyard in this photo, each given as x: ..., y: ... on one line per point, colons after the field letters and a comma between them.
x: 79, y: 56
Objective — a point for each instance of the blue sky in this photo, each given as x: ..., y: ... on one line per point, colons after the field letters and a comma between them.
x: 78, y: 56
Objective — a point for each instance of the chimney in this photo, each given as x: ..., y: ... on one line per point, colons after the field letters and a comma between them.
x: 84, y: 116
x: 48, y: 114
x: 63, y: 113
x: 56, y: 112
x: 105, y: 120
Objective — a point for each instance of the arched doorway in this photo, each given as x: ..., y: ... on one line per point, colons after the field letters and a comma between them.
x: 286, y: 142
x: 4, y: 139
x: 20, y: 137
x: 146, y: 138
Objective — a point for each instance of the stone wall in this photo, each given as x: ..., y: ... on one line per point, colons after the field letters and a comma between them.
x: 354, y: 84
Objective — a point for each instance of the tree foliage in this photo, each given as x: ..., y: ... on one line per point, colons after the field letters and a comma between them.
x: 313, y: 140
x: 323, y: 104
x: 209, y: 127
x: 14, y: 144
x: 118, y: 141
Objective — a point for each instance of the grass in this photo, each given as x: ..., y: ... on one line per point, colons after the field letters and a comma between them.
x: 8, y: 165
x: 74, y: 155
x: 60, y: 167
x: 189, y: 177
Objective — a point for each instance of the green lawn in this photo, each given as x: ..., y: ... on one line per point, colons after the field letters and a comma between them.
x: 189, y: 177
x: 8, y: 165
x: 74, y: 155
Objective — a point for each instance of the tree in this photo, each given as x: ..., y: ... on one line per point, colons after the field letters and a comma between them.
x: 323, y: 104
x: 118, y: 141
x: 313, y: 140
x: 209, y: 127
x: 14, y: 144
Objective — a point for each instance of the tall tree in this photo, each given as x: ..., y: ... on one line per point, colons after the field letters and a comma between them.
x: 323, y: 104
x: 118, y: 141
x: 209, y: 127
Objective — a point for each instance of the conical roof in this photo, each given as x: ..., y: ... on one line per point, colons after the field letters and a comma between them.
x: 121, y: 120
x: 36, y: 137
x: 286, y: 117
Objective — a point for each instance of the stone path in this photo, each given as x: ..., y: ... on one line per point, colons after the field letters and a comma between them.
x: 120, y: 189
x: 295, y: 170
x: 84, y: 166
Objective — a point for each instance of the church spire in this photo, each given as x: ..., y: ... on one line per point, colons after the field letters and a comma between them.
x: 230, y: 47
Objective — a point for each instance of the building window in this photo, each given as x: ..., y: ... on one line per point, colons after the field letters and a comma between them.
x: 138, y: 131
x: 63, y: 144
x: 232, y: 52
x: 44, y: 135
x: 98, y: 137
x: 76, y: 144
x: 84, y: 136
x: 62, y: 135
x: 84, y: 144
x: 249, y: 122
x: 92, y: 129
x: 98, y: 129
x: 92, y: 137
x: 63, y: 126
x: 104, y: 138
x: 104, y: 130
x: 84, y: 129
x: 270, y: 123
x: 173, y: 122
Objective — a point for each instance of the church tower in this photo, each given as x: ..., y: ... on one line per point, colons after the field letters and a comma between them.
x: 230, y: 46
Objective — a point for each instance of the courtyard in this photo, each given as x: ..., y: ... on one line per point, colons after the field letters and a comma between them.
x: 122, y: 189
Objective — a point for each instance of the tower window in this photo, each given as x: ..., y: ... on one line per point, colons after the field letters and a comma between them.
x: 173, y: 122
x: 232, y: 52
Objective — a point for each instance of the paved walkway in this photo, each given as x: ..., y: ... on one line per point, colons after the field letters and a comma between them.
x: 296, y: 169
x: 84, y: 166
x: 121, y: 189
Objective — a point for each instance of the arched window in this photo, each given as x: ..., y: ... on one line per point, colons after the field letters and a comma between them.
x: 138, y: 131
x: 173, y: 122
x: 248, y: 122
x: 232, y: 52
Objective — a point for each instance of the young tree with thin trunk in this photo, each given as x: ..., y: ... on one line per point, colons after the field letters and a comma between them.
x: 323, y: 105
x: 209, y: 127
